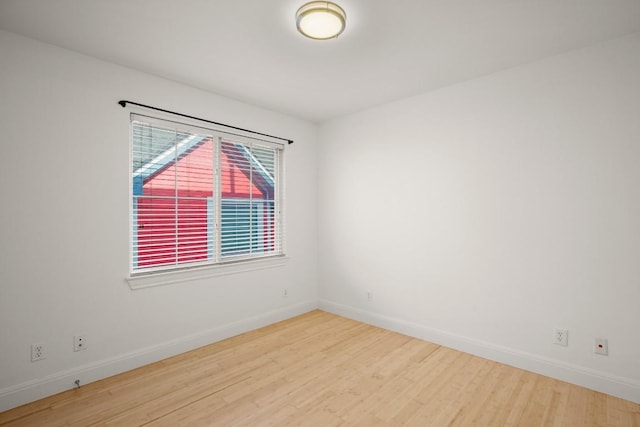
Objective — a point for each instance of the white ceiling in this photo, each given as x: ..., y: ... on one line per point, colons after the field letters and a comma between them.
x: 249, y: 49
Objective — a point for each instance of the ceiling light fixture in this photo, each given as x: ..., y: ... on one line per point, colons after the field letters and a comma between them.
x: 321, y: 20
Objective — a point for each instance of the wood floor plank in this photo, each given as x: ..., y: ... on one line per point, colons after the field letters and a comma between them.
x: 506, y: 397
x: 319, y: 369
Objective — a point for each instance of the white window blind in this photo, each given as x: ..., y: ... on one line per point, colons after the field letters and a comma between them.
x: 201, y: 196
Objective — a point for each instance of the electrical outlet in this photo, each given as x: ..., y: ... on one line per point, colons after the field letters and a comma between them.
x: 79, y: 343
x: 601, y: 346
x: 369, y: 296
x: 37, y: 352
x: 285, y: 293
x: 561, y: 337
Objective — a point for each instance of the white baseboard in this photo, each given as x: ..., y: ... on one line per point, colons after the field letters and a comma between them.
x: 26, y: 392
x: 29, y: 391
x: 574, y: 374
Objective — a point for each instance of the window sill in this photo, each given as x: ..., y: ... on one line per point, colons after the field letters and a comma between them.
x: 163, y: 278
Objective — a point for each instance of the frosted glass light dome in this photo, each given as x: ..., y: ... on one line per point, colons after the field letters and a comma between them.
x: 321, y: 20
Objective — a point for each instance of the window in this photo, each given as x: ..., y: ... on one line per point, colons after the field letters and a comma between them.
x: 201, y: 197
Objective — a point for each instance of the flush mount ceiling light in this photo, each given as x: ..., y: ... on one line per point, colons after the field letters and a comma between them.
x: 321, y: 20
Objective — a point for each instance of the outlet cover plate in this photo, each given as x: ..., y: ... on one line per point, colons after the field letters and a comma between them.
x: 37, y: 352
x: 561, y: 337
x: 601, y: 346
x: 79, y: 343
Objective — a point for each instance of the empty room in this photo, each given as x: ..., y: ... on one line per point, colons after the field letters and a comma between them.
x: 280, y: 212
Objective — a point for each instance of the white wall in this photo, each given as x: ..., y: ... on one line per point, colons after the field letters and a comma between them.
x: 485, y: 214
x: 64, y: 168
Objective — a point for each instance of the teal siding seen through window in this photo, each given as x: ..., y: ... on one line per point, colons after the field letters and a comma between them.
x: 243, y: 225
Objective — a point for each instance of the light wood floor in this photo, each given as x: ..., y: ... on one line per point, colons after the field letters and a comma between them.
x: 323, y: 370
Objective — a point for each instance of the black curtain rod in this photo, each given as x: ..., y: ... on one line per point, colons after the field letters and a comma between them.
x: 123, y: 103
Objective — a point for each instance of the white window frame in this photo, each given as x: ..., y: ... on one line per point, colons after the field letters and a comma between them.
x: 165, y: 275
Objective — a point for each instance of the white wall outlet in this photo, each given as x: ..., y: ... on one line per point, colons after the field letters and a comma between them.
x: 601, y: 346
x: 561, y: 337
x: 285, y: 293
x: 37, y: 352
x: 79, y: 343
x: 369, y: 296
